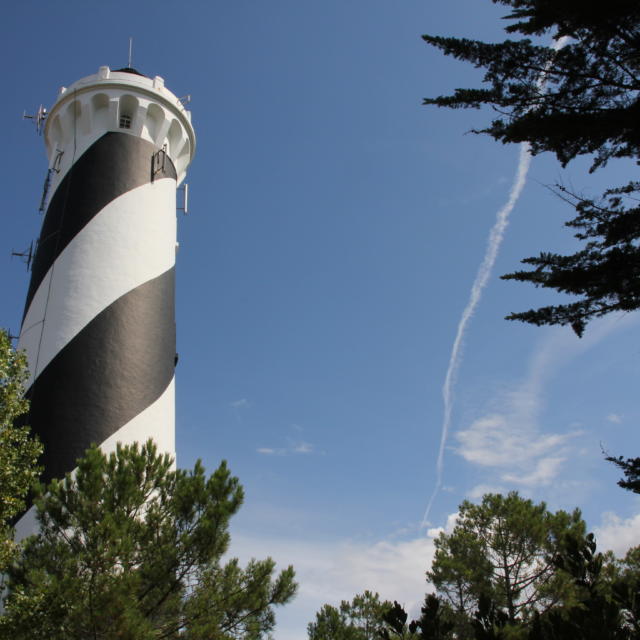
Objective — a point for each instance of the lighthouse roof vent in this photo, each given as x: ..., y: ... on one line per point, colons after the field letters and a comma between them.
x: 131, y: 70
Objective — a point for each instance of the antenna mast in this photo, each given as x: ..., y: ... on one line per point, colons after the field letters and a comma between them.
x: 38, y: 118
x: 130, y: 51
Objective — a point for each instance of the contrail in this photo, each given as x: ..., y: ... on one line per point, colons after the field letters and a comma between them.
x: 482, y: 277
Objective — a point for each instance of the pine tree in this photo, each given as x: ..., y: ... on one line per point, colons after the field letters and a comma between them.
x: 131, y: 548
x: 606, y: 606
x: 501, y: 553
x: 361, y: 619
x: 631, y: 469
x: 590, y: 105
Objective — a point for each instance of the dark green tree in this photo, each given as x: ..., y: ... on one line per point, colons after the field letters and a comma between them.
x: 491, y: 622
x: 395, y: 619
x: 436, y: 621
x: 501, y: 551
x: 361, y: 619
x: 630, y: 467
x: 19, y: 451
x: 462, y: 573
x: 606, y: 605
x: 582, y: 99
x: 600, y: 601
x: 131, y: 548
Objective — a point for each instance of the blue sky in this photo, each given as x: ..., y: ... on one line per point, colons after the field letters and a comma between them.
x: 335, y: 230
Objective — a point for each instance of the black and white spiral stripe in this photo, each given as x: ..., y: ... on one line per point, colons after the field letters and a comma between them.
x: 99, y: 320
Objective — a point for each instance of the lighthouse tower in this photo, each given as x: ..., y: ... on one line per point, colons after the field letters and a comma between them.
x: 99, y: 323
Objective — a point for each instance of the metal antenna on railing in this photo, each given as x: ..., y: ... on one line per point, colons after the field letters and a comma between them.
x: 38, y: 118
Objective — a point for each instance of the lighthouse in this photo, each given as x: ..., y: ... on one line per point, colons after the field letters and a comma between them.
x: 99, y: 323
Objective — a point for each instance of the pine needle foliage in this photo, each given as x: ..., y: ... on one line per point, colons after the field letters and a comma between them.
x: 582, y: 98
x: 130, y: 547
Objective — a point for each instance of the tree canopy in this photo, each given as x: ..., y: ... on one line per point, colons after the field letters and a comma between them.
x: 19, y: 451
x: 605, y: 606
x: 526, y: 574
x: 363, y: 618
x: 130, y: 547
x: 581, y: 98
x: 502, y: 551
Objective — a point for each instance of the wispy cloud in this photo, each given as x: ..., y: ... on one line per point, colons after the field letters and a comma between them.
x: 513, y: 444
x: 293, y: 449
x: 452, y: 519
x: 543, y: 472
x: 614, y: 418
x: 480, y: 489
x: 238, y: 404
x: 268, y: 451
x: 507, y: 441
x: 331, y: 571
x: 617, y: 534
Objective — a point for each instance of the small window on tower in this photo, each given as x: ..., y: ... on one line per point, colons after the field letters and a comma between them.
x: 125, y: 122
